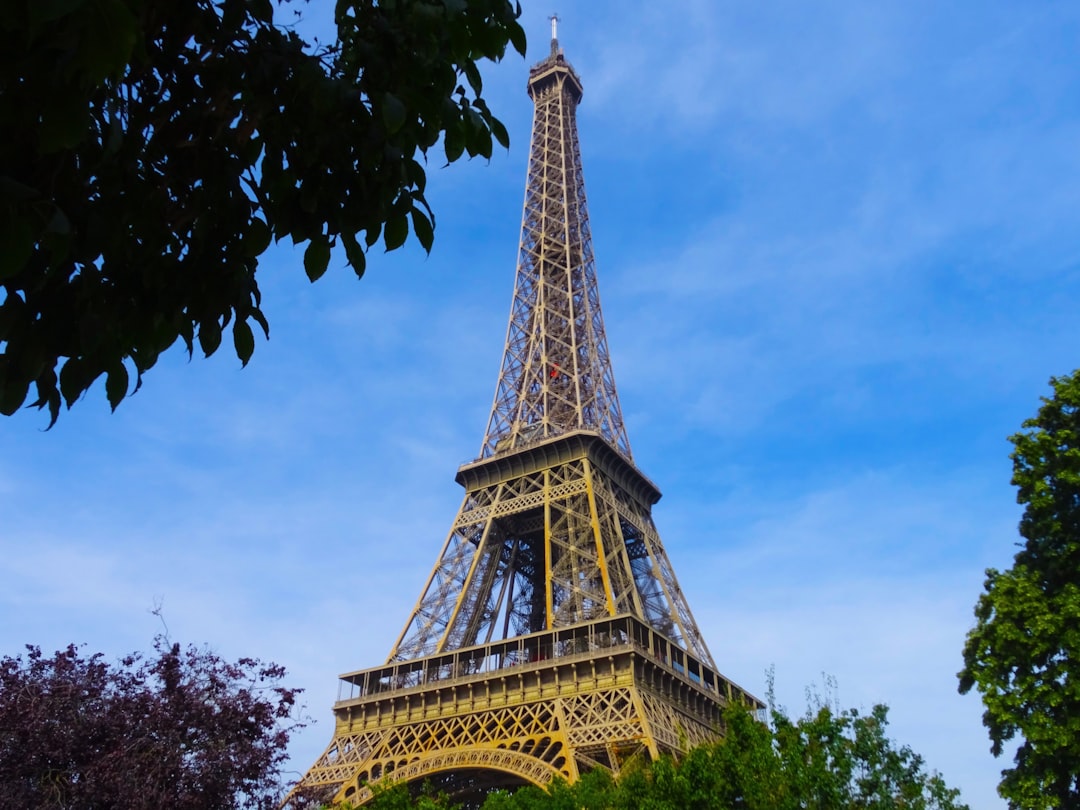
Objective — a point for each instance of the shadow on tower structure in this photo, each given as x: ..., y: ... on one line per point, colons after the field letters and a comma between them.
x: 552, y: 636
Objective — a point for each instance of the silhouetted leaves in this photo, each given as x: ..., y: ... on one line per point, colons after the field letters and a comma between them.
x: 317, y: 257
x: 116, y: 384
x: 397, y: 228
x: 243, y: 341
x: 423, y: 228
x: 150, y: 153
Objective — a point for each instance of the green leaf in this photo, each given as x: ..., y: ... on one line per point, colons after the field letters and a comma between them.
x: 186, y: 330
x: 472, y: 73
x: 354, y: 254
x: 59, y: 223
x: 16, y: 191
x: 517, y: 38
x: 243, y: 340
x: 416, y: 174
x: 260, y: 319
x: 13, y: 395
x: 499, y: 132
x: 484, y: 146
x: 65, y: 120
x: 107, y: 40
x: 262, y: 10
x: 257, y: 238
x: 75, y: 378
x: 317, y: 257
x: 393, y: 112
x: 478, y: 140
x: 454, y: 140
x: 423, y: 229
x: 397, y: 228
x: 43, y: 11
x: 209, y: 336
x: 48, y: 395
x: 17, y: 241
x: 116, y: 136
x: 14, y: 314
x: 116, y: 384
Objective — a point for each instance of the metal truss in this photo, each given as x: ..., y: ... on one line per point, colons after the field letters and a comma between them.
x: 556, y: 373
x: 552, y: 636
x: 521, y: 711
x: 553, y: 535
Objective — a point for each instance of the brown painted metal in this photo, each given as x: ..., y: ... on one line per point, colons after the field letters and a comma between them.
x: 552, y: 635
x: 556, y: 373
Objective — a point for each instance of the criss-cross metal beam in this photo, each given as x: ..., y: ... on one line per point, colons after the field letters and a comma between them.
x: 551, y: 636
x: 556, y: 373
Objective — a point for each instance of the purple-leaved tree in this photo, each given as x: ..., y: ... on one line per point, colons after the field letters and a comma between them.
x: 181, y: 729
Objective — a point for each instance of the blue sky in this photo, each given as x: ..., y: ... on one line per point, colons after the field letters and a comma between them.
x: 838, y: 258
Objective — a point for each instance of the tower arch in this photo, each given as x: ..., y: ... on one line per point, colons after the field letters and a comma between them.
x: 469, y: 771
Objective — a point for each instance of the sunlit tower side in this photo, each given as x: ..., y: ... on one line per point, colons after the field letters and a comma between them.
x: 551, y: 636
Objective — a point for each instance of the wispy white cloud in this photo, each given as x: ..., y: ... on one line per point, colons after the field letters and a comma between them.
x: 838, y: 259
x: 869, y: 578
x: 679, y: 67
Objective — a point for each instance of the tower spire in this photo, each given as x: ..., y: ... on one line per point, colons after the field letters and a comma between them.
x: 556, y: 372
x: 551, y: 637
x: 554, y: 34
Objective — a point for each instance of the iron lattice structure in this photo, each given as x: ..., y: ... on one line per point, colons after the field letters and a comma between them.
x: 552, y: 636
x: 556, y: 372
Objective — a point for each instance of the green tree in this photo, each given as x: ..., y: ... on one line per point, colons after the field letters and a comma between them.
x: 1023, y: 654
x: 825, y: 760
x: 151, y: 150
x: 398, y: 796
x: 828, y: 758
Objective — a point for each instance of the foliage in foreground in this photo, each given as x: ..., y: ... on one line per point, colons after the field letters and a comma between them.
x: 1023, y: 654
x: 151, y: 150
x: 182, y: 729
x: 825, y: 759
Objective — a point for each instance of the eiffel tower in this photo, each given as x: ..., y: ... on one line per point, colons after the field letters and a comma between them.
x: 551, y: 637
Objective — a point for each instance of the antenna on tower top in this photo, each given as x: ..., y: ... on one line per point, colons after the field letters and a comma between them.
x: 554, y: 34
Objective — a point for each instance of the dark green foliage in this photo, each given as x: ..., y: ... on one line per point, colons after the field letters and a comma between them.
x: 398, y: 797
x: 151, y: 150
x: 1023, y: 654
x: 825, y: 760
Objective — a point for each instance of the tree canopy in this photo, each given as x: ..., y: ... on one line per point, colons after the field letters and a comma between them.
x: 151, y: 151
x: 825, y: 760
x: 1023, y: 654
x: 182, y: 729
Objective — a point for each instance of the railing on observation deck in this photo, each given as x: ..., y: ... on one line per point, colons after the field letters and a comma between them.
x: 537, y: 651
